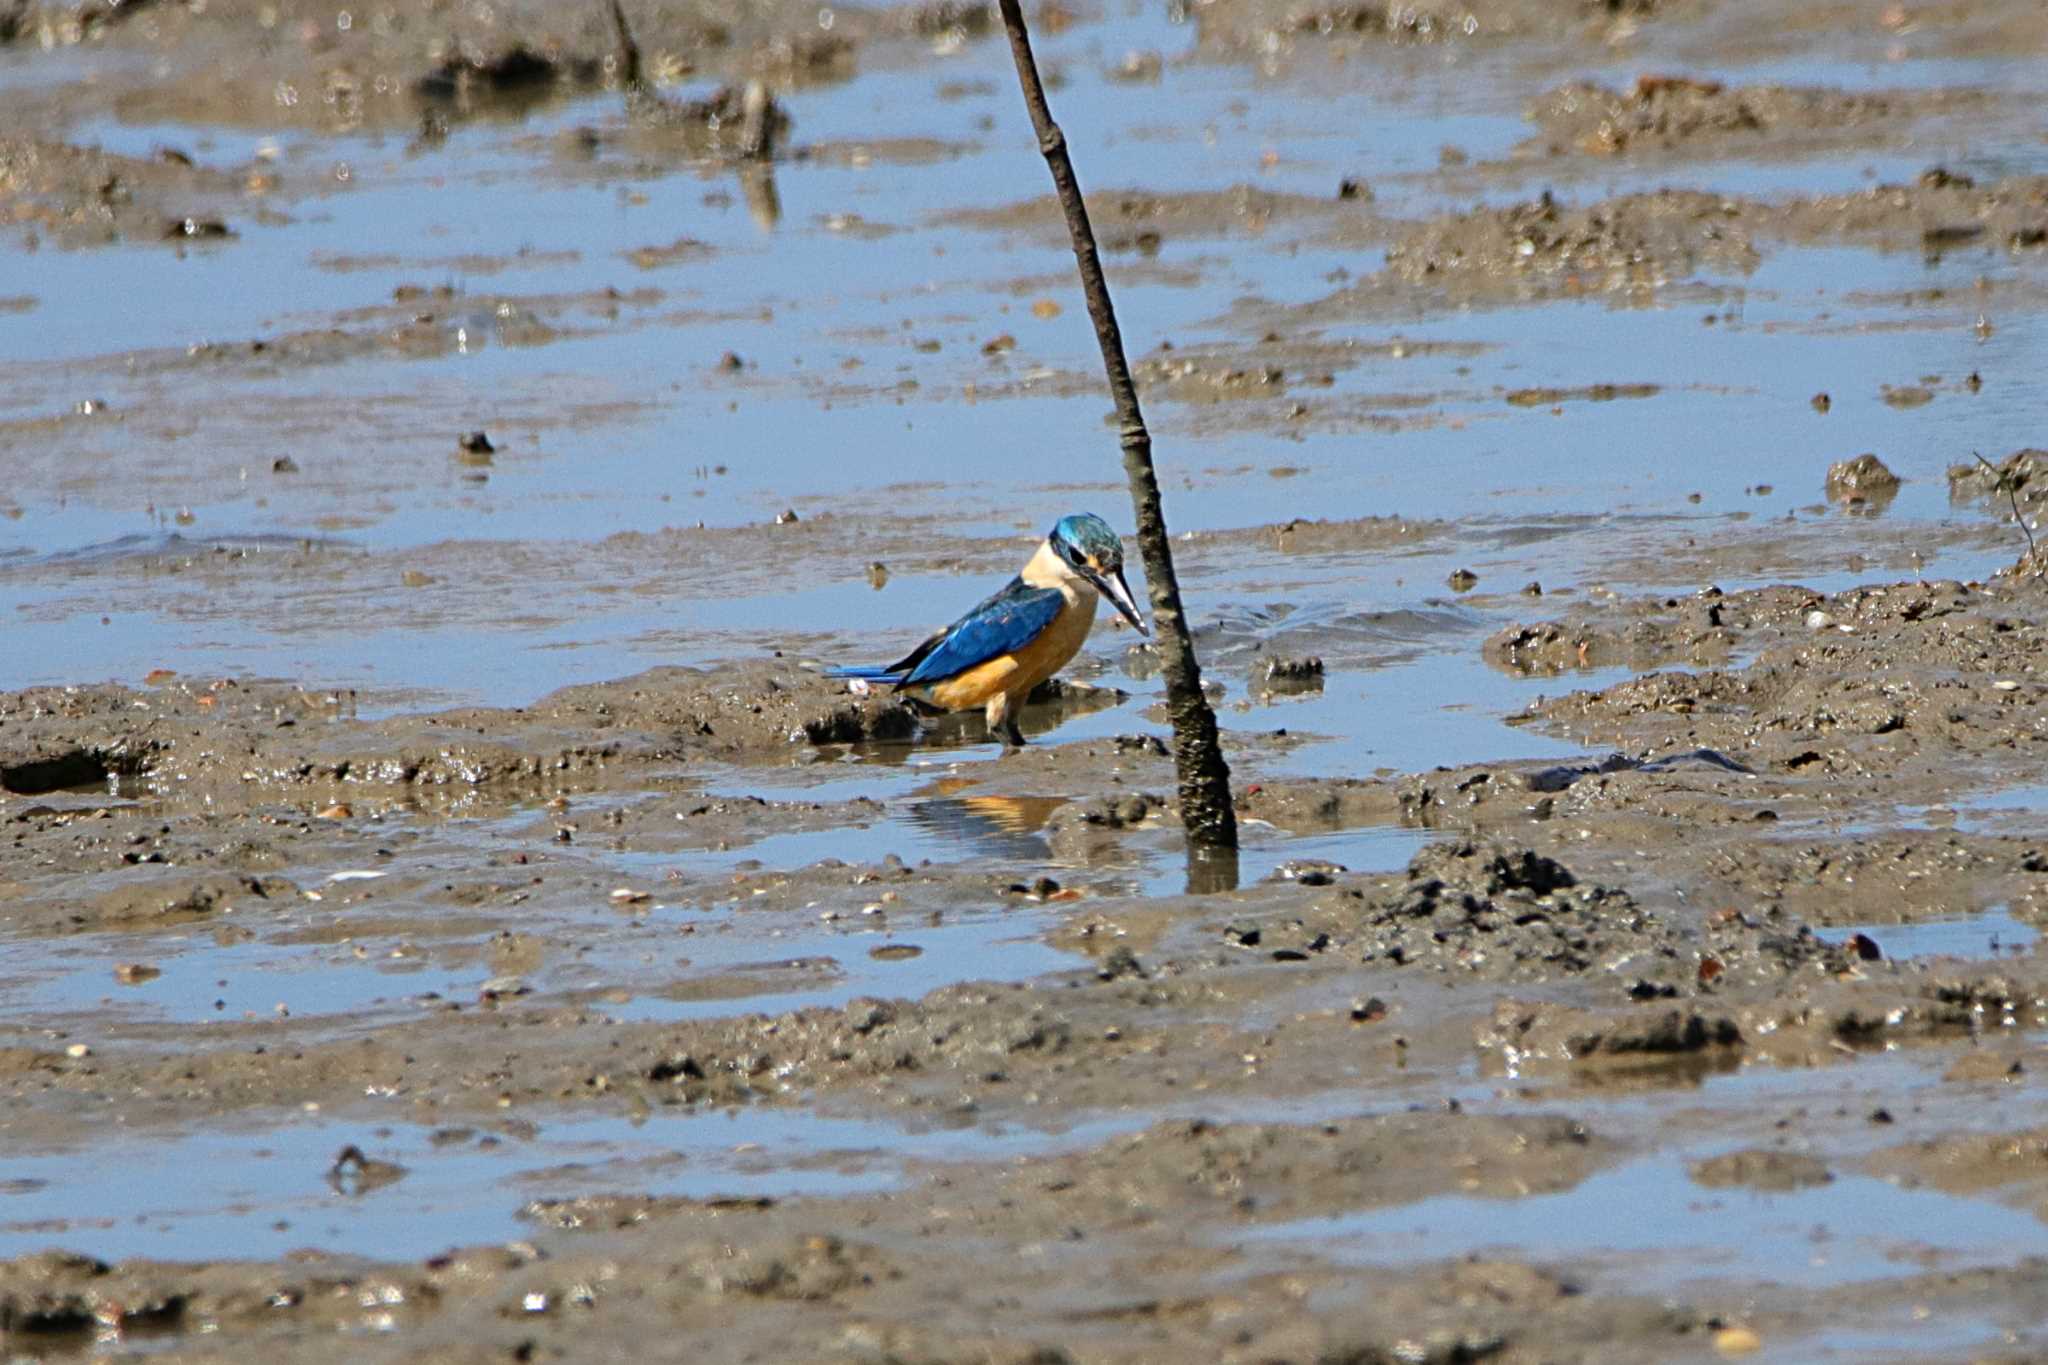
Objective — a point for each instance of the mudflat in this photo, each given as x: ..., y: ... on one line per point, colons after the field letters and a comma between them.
x: 446, y: 915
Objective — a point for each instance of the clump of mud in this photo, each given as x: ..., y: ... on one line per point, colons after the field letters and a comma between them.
x: 1508, y: 913
x: 1543, y: 248
x: 1664, y: 113
x: 2019, y: 480
x: 1864, y: 481
x: 82, y: 196
x: 193, y: 736
x: 1267, y: 26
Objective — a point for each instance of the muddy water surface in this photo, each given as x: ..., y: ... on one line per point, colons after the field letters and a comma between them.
x: 444, y: 914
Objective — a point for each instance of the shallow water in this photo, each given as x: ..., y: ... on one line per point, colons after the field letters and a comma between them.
x: 673, y: 956
x: 268, y: 1193
x: 1992, y: 934
x: 1647, y: 1225
x: 865, y: 402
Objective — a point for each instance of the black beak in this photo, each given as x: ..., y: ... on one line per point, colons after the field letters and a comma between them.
x: 1119, y: 593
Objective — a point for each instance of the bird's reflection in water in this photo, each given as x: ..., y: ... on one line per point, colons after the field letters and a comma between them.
x: 1005, y: 827
x: 1051, y: 705
x: 1011, y: 829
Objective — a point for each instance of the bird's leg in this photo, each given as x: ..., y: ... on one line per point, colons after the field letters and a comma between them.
x: 1001, y: 722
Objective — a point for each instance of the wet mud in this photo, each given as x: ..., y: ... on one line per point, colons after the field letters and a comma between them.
x: 446, y: 912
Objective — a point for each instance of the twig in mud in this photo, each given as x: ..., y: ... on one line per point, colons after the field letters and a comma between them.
x: 2012, y: 492
x: 755, y: 109
x: 629, y: 52
x: 1206, y: 810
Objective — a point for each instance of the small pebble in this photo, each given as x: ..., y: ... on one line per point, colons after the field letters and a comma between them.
x: 1737, y: 1341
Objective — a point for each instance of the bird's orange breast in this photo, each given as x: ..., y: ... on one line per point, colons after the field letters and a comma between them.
x: 1022, y: 669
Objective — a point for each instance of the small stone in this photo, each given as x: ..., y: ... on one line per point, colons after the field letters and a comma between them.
x: 1121, y: 962
x: 475, y: 443
x: 1865, y: 476
x: 135, y: 973
x: 1737, y: 1341
x: 1821, y: 402
x: 1138, y: 66
x: 78, y: 1050
x: 196, y: 228
x: 1462, y: 580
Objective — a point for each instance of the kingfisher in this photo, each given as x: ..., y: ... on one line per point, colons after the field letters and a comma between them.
x: 1023, y: 634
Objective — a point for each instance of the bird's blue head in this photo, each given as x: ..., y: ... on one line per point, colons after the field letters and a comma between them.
x: 1086, y: 545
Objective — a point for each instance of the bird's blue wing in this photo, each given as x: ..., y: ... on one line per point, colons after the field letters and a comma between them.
x: 865, y: 674
x: 1001, y: 625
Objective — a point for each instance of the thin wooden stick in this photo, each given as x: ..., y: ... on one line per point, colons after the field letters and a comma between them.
x: 2011, y: 487
x: 1206, y: 809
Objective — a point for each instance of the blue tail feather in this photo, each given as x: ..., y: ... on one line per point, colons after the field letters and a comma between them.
x: 884, y: 675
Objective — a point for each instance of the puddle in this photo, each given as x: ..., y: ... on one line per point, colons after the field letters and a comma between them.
x: 203, y: 981
x: 874, y: 392
x: 1005, y: 834
x: 1906, y: 1336
x: 268, y: 1193
x: 1647, y: 1227
x: 1995, y: 933
x: 697, y: 947
x: 2012, y: 810
x: 904, y: 962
